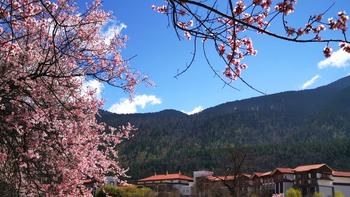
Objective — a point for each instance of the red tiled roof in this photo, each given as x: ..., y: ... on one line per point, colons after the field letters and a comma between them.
x: 220, y: 178
x: 342, y: 174
x: 167, y: 177
x: 283, y: 170
x: 266, y: 174
x: 309, y: 167
x: 257, y: 174
x: 246, y: 175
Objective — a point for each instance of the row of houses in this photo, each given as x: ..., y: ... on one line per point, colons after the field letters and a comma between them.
x: 309, y: 179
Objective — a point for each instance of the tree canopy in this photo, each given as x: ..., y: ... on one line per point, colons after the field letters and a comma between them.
x: 50, y: 142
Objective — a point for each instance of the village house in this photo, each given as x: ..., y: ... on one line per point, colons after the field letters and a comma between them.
x: 309, y: 179
x: 211, y: 185
x: 341, y: 182
x: 283, y: 179
x: 314, y: 178
x: 163, y: 183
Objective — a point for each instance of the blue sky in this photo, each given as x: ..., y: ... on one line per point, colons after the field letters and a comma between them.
x: 279, y: 65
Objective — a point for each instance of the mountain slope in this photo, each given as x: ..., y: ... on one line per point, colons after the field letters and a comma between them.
x: 282, y: 129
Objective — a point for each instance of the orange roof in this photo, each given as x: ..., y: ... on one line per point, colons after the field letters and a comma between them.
x: 283, y: 170
x: 220, y: 178
x: 161, y: 177
x: 342, y: 174
x: 310, y: 167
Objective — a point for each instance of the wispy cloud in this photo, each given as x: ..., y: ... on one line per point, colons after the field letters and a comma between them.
x: 113, y: 29
x: 93, y: 85
x: 127, y: 106
x: 194, y: 111
x: 310, y: 82
x: 338, y: 59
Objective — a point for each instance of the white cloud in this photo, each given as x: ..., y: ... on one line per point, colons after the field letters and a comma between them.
x: 93, y: 85
x: 338, y: 59
x: 113, y: 30
x: 127, y: 106
x: 310, y: 82
x: 194, y: 111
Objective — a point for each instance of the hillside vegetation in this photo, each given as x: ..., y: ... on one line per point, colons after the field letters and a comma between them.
x: 279, y: 130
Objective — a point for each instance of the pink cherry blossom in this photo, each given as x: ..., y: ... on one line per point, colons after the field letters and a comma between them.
x: 51, y: 143
x: 327, y: 51
x: 287, y: 6
x: 221, y: 49
x: 226, y: 25
x: 345, y: 46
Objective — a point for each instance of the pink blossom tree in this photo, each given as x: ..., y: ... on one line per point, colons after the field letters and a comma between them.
x: 227, y: 22
x: 50, y: 142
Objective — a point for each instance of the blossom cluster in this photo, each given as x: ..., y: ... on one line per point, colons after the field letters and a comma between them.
x: 265, y: 4
x: 340, y: 23
x: 243, y: 48
x: 51, y: 143
x: 162, y: 9
x: 226, y: 26
x: 345, y: 46
x: 287, y: 6
x: 327, y: 51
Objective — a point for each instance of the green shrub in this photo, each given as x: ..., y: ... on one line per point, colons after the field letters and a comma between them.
x: 108, y: 189
x: 339, y: 194
x: 127, y: 191
x: 317, y: 194
x: 293, y: 193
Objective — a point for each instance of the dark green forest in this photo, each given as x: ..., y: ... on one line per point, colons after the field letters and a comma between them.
x: 280, y: 130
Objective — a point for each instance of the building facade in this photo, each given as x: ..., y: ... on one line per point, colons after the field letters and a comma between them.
x: 169, y: 183
x: 309, y: 179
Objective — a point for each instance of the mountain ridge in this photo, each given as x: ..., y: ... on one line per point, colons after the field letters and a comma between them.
x: 271, y: 126
x: 338, y: 85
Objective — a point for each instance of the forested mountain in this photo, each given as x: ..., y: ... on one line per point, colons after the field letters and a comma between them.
x: 284, y: 129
